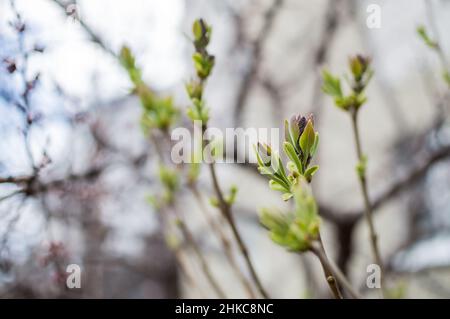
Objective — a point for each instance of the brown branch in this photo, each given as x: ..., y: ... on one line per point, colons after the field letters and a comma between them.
x: 368, y: 211
x: 226, y: 245
x: 320, y: 253
x: 321, y: 53
x: 333, y: 273
x: 187, y: 234
x: 225, y: 209
x: 403, y: 183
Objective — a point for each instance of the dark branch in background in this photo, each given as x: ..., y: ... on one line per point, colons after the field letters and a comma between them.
x: 400, y: 184
x: 404, y: 182
x: 255, y: 61
x: 321, y: 53
x: 90, y: 32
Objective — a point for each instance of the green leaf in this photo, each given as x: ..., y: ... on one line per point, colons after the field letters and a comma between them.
x: 310, y: 172
x: 197, y: 29
x: 306, y: 209
x: 281, y: 181
x: 286, y: 196
x: 280, y: 169
x: 287, y: 133
x: 276, y: 186
x: 331, y: 84
x: 292, y: 168
x: 307, y: 139
x: 290, y: 152
x: 315, y: 145
x: 265, y: 170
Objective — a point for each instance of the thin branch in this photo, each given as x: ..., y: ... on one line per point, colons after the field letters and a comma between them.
x: 205, y: 267
x: 225, y: 208
x: 329, y: 276
x: 255, y: 62
x: 334, y: 270
x: 226, y: 245
x: 94, y: 37
x: 402, y: 183
x: 368, y: 207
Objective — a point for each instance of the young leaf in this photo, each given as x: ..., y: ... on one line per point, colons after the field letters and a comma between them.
x: 307, y: 139
x: 315, y: 145
x: 331, y: 84
x: 310, y: 172
x: 290, y: 152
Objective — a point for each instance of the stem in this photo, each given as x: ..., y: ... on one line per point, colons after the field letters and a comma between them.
x: 332, y: 272
x: 227, y: 213
x: 184, y: 270
x: 331, y: 279
x: 226, y: 245
x: 187, y: 233
x: 177, y: 251
x: 368, y: 207
x: 190, y: 238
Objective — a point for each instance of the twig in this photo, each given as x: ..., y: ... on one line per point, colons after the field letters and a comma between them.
x: 252, y: 71
x: 205, y: 267
x: 187, y: 233
x: 92, y: 34
x: 225, y: 208
x: 368, y: 207
x: 331, y: 268
x: 329, y: 276
x: 224, y: 241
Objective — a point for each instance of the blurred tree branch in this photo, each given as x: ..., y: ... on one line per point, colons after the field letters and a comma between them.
x: 255, y: 61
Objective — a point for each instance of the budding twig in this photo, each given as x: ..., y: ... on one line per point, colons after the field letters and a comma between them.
x: 227, y: 213
x: 204, y: 63
x: 226, y: 245
x: 319, y: 251
x: 205, y: 267
x: 368, y: 207
x: 331, y: 270
x: 351, y: 103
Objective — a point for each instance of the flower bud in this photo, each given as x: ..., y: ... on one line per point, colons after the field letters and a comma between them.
x: 359, y: 65
x: 202, y: 34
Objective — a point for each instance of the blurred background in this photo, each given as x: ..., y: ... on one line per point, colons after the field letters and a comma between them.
x: 76, y: 168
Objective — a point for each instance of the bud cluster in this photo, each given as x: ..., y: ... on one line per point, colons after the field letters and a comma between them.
x: 158, y: 112
x: 300, y: 145
x: 361, y: 73
x: 203, y: 63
